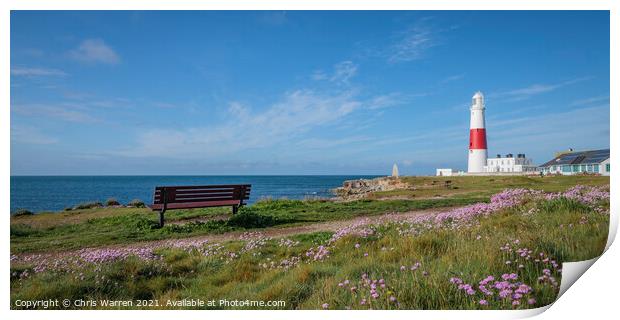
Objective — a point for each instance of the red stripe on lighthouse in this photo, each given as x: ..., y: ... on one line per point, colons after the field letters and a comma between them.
x: 477, y: 138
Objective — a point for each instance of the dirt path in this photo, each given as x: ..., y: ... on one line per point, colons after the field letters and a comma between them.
x: 273, y: 232
x: 279, y: 232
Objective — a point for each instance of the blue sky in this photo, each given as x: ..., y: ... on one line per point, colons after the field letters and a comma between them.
x: 298, y: 92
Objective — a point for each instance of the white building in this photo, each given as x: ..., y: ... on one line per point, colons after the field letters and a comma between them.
x: 510, y: 163
x: 447, y: 172
x: 569, y: 163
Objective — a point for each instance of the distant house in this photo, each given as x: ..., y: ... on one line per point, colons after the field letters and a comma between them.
x: 510, y: 163
x: 592, y: 161
x: 448, y: 172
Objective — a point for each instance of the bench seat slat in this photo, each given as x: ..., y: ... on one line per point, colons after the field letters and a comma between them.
x: 206, y: 187
x: 214, y: 194
x: 203, y: 200
x: 200, y: 190
x: 189, y: 205
x: 203, y: 197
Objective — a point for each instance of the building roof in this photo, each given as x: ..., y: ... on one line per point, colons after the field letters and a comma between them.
x: 579, y: 157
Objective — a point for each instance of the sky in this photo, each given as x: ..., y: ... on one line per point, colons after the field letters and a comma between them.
x: 300, y: 92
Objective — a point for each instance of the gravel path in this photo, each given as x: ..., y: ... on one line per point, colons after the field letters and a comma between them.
x: 285, y: 231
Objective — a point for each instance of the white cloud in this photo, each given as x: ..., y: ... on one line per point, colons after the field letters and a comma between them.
x: 453, y: 78
x: 238, y: 110
x: 94, y: 51
x: 344, y: 71
x: 411, y: 44
x: 535, y: 89
x: 341, y: 74
x: 392, y: 99
x: 36, y: 72
x: 590, y: 101
x: 30, y: 135
x: 387, y: 100
x: 61, y: 112
x: 583, y: 128
x: 318, y: 143
x: 319, y: 75
x: 296, y: 113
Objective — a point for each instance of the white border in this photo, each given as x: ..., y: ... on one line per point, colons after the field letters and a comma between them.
x: 595, y: 296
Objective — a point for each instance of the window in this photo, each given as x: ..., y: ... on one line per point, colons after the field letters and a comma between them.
x: 583, y: 168
x: 575, y: 168
x: 589, y: 168
x: 607, y: 167
x: 552, y: 168
x: 595, y: 168
x: 565, y: 168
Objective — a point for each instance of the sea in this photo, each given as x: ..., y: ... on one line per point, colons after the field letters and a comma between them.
x: 54, y: 193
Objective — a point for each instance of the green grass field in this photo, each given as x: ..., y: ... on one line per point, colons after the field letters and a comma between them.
x: 392, y: 265
x: 472, y: 187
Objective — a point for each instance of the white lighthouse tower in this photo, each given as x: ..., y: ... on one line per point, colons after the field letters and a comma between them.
x: 477, y: 135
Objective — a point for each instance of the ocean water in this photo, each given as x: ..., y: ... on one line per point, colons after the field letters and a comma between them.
x: 54, y: 193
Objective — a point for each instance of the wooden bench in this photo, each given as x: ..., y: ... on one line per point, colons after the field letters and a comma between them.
x: 186, y: 197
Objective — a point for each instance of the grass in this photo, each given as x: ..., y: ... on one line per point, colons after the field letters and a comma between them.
x: 109, y: 226
x: 481, y: 186
x: 106, y: 226
x: 562, y: 229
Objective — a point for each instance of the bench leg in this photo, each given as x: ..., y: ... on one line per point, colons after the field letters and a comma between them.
x: 161, y: 218
x: 235, y: 209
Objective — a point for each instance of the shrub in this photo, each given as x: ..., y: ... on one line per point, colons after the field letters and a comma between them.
x: 112, y: 202
x: 212, y: 226
x: 22, y: 230
x: 248, y: 218
x: 137, y: 203
x: 145, y: 224
x: 89, y: 205
x: 22, y: 212
x: 563, y: 205
x: 68, y: 208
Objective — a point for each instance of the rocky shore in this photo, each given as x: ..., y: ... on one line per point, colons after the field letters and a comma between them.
x: 360, y: 188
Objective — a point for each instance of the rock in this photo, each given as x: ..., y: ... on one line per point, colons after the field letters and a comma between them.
x: 358, y: 189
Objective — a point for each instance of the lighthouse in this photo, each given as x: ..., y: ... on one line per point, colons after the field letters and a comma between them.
x: 477, y: 135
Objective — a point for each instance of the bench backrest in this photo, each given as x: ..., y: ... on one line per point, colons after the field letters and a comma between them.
x: 212, y: 193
